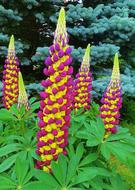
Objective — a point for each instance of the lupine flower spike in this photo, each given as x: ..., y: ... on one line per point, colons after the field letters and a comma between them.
x: 22, y: 98
x: 55, y: 105
x: 83, y: 83
x: 10, y: 77
x: 112, y: 101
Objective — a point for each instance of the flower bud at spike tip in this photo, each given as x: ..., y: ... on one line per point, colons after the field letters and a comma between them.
x: 10, y: 77
x: 83, y: 84
x: 116, y: 71
x: 11, y: 47
x: 112, y: 101
x: 22, y: 98
x: 61, y: 32
x: 86, y: 59
x: 56, y: 99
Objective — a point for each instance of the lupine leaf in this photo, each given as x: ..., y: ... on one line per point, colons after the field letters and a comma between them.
x: 21, y: 169
x: 6, y: 183
x: 38, y: 185
x: 86, y: 175
x: 8, y: 149
x: 63, y: 164
x: 57, y: 171
x: 88, y: 159
x: 6, y: 164
x: 6, y: 115
x: 79, y: 151
x: 46, y: 178
x: 72, y: 167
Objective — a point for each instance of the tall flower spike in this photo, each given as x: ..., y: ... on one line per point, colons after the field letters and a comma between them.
x: 22, y: 98
x: 55, y: 105
x: 112, y: 101
x: 10, y: 76
x: 83, y: 83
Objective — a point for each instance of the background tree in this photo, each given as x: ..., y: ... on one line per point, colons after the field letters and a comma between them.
x: 108, y: 25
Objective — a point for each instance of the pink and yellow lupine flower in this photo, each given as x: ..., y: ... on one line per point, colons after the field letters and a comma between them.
x: 83, y: 83
x: 22, y: 98
x: 112, y: 100
x: 55, y: 105
x: 10, y: 77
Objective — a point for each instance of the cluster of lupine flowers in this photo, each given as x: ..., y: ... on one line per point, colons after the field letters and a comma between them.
x: 55, y: 105
x: 112, y: 101
x: 10, y: 77
x: 83, y: 84
x: 61, y: 94
x: 13, y: 86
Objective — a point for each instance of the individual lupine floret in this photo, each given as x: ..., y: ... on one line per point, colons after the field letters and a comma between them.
x: 55, y: 105
x: 22, y: 98
x: 10, y: 77
x: 112, y: 100
x: 83, y: 84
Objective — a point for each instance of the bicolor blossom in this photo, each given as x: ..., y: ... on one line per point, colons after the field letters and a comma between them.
x: 112, y: 101
x: 22, y: 98
x: 55, y: 105
x: 83, y: 83
x: 10, y: 77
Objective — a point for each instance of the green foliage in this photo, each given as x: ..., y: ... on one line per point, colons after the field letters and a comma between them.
x: 20, y: 178
x: 17, y: 145
x: 89, y: 163
x: 19, y: 119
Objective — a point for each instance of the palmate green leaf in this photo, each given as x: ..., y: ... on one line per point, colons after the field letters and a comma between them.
x: 79, y: 151
x: 57, y: 171
x: 28, y: 177
x: 34, y: 155
x: 102, y: 171
x: 30, y: 159
x: 37, y: 185
x: 22, y: 111
x: 71, y: 150
x: 105, y: 151
x: 120, y: 144
x: 92, y: 141
x: 35, y: 106
x: 76, y: 188
x: 97, y: 128
x: 88, y: 159
x: 14, y: 109
x: 12, y: 138
x: 93, y: 132
x: 82, y: 134
x: 32, y: 100
x: 80, y: 119
x: 6, y: 115
x: 8, y: 149
x: 21, y: 169
x: 97, y: 183
x: 23, y: 155
x: 6, y: 183
x: 46, y: 178
x: 119, y: 149
x: 6, y: 164
x: 86, y: 175
x: 72, y: 168
x: 120, y: 135
x: 116, y: 183
x: 63, y: 164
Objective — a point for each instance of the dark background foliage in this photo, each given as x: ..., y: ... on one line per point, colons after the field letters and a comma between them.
x: 108, y: 25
